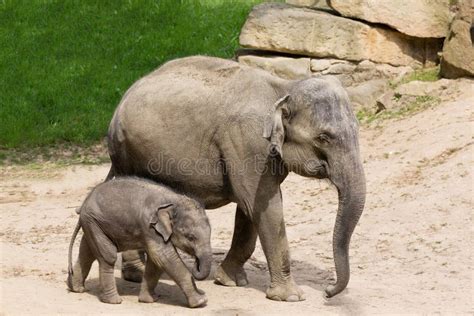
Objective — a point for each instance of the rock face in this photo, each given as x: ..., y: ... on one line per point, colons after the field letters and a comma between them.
x: 421, y: 88
x: 284, y: 67
x: 366, y: 94
x: 440, y: 90
x: 458, y: 49
x: 420, y: 18
x: 349, y: 73
x: 317, y: 4
x: 283, y: 28
x: 353, y: 73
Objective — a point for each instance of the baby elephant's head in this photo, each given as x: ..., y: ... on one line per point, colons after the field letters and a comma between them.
x: 187, y: 225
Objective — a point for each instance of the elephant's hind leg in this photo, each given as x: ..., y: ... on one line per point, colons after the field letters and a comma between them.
x: 231, y: 272
x: 107, y: 282
x: 106, y: 253
x: 81, y: 268
x: 133, y: 265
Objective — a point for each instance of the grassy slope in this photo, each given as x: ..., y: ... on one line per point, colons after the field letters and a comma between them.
x: 64, y: 65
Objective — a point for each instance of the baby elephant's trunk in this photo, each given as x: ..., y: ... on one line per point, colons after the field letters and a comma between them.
x: 202, y: 266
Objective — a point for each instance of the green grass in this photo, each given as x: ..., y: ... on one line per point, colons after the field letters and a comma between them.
x: 424, y: 74
x: 64, y: 65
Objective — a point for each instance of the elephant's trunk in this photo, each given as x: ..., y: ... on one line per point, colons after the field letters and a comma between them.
x: 202, y: 266
x: 351, y: 190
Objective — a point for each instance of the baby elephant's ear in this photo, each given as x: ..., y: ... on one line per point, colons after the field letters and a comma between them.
x: 161, y: 221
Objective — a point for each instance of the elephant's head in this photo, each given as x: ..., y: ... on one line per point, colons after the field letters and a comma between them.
x: 315, y: 132
x: 185, y: 223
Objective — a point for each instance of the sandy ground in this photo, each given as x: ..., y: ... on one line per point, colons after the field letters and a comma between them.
x: 411, y: 253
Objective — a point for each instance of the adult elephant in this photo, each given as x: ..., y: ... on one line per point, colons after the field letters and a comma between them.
x: 223, y: 132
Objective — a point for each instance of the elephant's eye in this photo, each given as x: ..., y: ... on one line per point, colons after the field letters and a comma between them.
x: 324, y: 138
x: 190, y: 237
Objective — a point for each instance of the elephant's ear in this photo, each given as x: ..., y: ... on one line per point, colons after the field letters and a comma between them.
x: 161, y: 221
x: 273, y: 128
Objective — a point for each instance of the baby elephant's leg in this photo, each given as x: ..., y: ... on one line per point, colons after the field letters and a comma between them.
x: 81, y: 268
x: 150, y: 280
x: 107, y: 282
x: 166, y: 257
x: 133, y: 265
x: 106, y: 253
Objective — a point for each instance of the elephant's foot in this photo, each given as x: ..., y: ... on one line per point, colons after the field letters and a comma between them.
x: 133, y: 273
x: 231, y: 275
x: 111, y: 299
x: 197, y: 300
x: 288, y: 292
x: 75, y: 285
x: 147, y: 297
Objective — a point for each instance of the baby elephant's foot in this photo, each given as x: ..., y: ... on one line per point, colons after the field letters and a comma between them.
x: 112, y: 299
x: 288, y: 292
x: 147, y: 297
x: 75, y: 285
x: 197, y: 300
x: 231, y: 275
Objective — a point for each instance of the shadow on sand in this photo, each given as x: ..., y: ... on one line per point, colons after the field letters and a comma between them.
x: 303, y: 272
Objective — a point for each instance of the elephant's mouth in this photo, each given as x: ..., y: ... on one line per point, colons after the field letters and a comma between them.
x: 323, y: 171
x: 202, y: 267
x: 196, y: 264
x: 316, y: 168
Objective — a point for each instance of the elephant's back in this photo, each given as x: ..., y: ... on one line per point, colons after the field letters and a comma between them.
x: 198, y: 83
x: 191, y: 98
x: 174, y: 96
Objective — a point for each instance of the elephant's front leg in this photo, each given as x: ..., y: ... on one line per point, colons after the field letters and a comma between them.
x: 231, y: 272
x: 165, y: 256
x: 271, y: 230
x: 150, y: 280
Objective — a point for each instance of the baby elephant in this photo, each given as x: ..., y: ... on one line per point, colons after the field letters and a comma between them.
x: 132, y: 213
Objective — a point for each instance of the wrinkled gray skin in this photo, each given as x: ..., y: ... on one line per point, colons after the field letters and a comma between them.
x: 199, y: 124
x: 131, y: 213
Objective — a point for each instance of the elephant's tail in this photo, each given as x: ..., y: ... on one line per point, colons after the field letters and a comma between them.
x: 71, y: 244
x: 111, y: 174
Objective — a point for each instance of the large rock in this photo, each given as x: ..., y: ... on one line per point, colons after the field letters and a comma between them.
x: 353, y: 73
x: 420, y: 18
x: 445, y: 89
x: 284, y: 67
x: 421, y: 88
x: 349, y: 73
x: 283, y: 28
x: 458, y: 51
x: 316, y: 4
x: 416, y: 92
x: 366, y: 94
